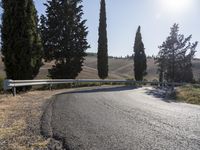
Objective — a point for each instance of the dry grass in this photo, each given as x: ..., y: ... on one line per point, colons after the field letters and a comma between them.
x: 189, y: 94
x: 118, y: 69
x: 20, y: 120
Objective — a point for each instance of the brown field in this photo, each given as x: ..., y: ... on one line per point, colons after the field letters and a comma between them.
x: 118, y: 69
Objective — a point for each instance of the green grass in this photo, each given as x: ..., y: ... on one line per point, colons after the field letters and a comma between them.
x: 189, y: 94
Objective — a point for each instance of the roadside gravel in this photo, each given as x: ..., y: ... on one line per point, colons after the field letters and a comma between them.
x: 20, y: 121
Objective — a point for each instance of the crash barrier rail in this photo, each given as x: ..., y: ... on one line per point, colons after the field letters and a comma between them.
x: 13, y: 84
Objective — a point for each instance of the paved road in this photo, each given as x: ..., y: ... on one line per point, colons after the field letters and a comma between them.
x: 122, y: 118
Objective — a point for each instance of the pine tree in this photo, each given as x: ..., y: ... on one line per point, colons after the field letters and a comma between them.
x: 102, y: 63
x: 51, y: 28
x: 175, y: 57
x: 21, y: 43
x: 66, y: 41
x: 140, y: 64
x: 44, y: 36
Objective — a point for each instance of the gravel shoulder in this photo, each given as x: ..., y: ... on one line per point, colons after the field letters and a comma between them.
x: 20, y: 118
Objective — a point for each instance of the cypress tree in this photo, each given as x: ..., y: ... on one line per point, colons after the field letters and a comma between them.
x: 66, y: 41
x: 21, y: 44
x: 102, y: 55
x: 140, y: 64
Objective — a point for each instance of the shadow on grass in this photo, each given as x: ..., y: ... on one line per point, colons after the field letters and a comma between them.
x: 163, y: 94
x: 100, y: 89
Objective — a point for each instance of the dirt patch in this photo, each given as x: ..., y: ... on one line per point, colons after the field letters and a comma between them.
x: 20, y: 121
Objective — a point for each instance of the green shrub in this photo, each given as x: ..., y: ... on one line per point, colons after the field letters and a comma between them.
x: 145, y: 80
x: 132, y: 83
x: 154, y: 84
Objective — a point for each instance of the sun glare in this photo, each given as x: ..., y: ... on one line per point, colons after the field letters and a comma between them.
x: 175, y: 6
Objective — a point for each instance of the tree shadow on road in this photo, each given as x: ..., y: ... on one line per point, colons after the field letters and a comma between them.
x: 101, y: 89
x: 163, y: 94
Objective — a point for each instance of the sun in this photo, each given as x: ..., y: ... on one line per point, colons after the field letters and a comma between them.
x: 175, y: 6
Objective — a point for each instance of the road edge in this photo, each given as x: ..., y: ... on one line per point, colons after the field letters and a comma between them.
x: 46, y: 130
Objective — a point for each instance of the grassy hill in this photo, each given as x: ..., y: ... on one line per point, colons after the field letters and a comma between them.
x: 118, y: 69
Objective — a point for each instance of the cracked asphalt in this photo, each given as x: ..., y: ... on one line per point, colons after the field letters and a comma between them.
x: 122, y: 118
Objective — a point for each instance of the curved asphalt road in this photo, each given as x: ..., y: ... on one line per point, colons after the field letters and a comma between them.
x: 121, y: 118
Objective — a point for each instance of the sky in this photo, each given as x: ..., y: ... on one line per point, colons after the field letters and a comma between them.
x: 154, y: 16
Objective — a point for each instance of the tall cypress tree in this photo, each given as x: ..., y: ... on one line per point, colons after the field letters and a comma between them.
x: 140, y: 62
x: 102, y: 55
x: 21, y: 45
x: 66, y: 41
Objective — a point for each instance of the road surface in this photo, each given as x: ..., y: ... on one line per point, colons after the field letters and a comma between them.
x: 122, y: 118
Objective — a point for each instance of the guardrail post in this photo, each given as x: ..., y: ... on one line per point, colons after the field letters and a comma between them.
x: 50, y: 87
x: 77, y: 83
x: 14, y: 91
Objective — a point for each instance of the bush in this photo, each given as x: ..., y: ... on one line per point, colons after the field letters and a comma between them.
x: 145, y: 80
x: 154, y: 84
x: 131, y: 82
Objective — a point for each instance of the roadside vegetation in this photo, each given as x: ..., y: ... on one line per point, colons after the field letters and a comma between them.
x: 19, y: 122
x: 21, y: 45
x: 140, y: 60
x: 189, y: 94
x: 102, y: 55
x: 64, y: 35
x: 175, y: 57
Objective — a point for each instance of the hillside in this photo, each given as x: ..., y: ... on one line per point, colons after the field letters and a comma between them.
x: 123, y: 68
x: 118, y: 69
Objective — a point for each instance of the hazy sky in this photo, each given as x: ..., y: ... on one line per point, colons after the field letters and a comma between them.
x: 155, y: 17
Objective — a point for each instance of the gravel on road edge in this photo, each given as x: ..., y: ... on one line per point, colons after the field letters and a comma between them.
x: 46, y: 127
x: 20, y: 121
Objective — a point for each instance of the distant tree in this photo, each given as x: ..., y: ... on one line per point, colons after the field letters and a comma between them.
x: 21, y: 43
x: 129, y: 57
x: 140, y: 62
x: 102, y: 55
x: 175, y: 57
x: 65, y: 41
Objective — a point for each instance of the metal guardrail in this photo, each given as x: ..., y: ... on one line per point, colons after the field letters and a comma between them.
x: 13, y: 84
